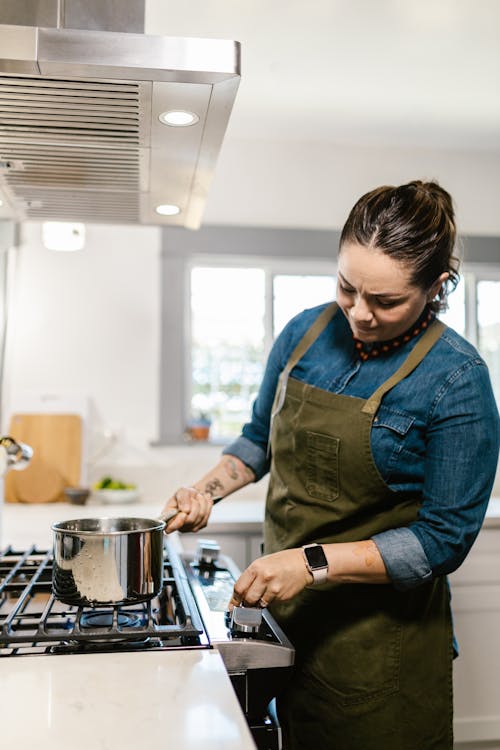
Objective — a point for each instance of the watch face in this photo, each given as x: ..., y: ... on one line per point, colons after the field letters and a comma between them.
x: 316, y: 557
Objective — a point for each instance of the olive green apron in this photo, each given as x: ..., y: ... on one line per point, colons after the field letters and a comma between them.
x: 373, y: 664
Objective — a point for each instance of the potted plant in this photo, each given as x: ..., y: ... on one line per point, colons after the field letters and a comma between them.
x: 199, y: 427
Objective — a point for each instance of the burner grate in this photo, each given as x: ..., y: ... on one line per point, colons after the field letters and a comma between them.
x: 31, y: 618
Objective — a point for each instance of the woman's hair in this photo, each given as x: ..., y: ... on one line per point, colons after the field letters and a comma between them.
x: 413, y: 223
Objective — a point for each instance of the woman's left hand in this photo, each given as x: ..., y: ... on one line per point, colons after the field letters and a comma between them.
x: 279, y: 576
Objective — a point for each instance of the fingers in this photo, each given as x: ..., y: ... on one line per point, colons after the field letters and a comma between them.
x: 251, y: 589
x: 276, y: 577
x: 194, y: 508
x: 235, y: 601
x: 251, y: 599
x: 262, y: 602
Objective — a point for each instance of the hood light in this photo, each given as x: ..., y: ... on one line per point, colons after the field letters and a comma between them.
x: 167, y: 209
x: 63, y: 236
x: 178, y: 118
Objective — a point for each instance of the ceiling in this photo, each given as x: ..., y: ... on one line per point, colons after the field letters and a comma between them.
x: 338, y: 96
x: 409, y: 73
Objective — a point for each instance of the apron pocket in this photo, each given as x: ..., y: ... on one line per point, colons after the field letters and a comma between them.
x: 360, y: 660
x: 322, y: 471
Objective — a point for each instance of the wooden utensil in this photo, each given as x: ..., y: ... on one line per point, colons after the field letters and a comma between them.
x: 39, y: 483
x: 56, y: 440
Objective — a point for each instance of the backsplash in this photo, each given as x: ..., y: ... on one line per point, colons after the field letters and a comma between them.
x: 167, y: 469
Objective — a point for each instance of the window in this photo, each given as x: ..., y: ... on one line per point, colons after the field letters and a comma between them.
x: 454, y: 316
x: 292, y: 294
x: 233, y: 323
x: 488, y: 329
x: 227, y: 345
x: 474, y: 313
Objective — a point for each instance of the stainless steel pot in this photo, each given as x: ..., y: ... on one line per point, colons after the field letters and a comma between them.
x: 106, y: 561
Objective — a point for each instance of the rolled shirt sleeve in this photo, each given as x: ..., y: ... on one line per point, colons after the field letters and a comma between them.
x: 404, y: 558
x: 251, y: 454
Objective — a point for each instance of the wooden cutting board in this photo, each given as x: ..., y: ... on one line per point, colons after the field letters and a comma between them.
x: 56, y: 440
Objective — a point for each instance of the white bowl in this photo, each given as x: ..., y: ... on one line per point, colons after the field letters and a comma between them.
x: 116, y: 497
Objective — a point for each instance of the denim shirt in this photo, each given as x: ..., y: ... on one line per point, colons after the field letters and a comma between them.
x: 436, y: 433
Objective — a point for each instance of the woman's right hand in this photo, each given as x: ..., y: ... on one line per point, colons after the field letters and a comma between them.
x: 276, y: 577
x: 194, y: 509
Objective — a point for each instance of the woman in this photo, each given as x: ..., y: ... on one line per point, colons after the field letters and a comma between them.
x: 379, y: 418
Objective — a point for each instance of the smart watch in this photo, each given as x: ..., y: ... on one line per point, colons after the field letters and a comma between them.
x: 316, y: 562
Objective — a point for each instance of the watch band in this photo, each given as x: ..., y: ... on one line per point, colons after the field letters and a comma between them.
x: 316, y: 562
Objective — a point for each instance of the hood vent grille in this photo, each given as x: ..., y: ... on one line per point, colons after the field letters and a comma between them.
x: 71, y: 148
x: 76, y: 108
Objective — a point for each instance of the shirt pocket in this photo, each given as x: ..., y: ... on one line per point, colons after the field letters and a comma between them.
x: 398, y: 422
x: 391, y: 433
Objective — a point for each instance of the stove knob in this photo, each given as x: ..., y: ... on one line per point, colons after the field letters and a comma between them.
x: 245, y: 619
x: 207, y: 553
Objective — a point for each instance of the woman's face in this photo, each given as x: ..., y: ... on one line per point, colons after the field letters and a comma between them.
x: 375, y: 293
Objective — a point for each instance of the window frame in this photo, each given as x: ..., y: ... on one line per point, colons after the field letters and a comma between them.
x: 472, y: 274
x: 272, y: 267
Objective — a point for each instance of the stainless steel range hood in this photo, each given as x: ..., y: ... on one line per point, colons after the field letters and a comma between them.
x: 80, y: 132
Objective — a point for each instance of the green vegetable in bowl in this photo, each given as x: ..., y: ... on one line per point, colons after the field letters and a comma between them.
x: 108, y: 483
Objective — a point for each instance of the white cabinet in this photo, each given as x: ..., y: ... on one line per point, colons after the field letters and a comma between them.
x: 476, y: 609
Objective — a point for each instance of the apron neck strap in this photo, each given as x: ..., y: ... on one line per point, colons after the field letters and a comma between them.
x: 306, y: 341
x: 422, y: 348
x: 310, y: 337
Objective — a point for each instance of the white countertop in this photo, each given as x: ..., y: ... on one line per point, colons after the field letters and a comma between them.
x: 163, y: 699
x: 181, y: 699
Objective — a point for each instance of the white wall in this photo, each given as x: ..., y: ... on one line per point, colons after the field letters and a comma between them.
x: 314, y: 185
x: 86, y: 326
x: 87, y: 323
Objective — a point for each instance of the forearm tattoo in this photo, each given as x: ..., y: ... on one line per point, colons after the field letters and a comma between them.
x: 214, y: 486
x: 231, y: 469
x: 234, y: 473
x: 367, y: 550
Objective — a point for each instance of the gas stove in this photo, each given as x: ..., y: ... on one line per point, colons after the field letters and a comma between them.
x: 189, y: 613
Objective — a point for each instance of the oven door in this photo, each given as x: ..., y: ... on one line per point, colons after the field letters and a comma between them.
x: 261, y: 716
